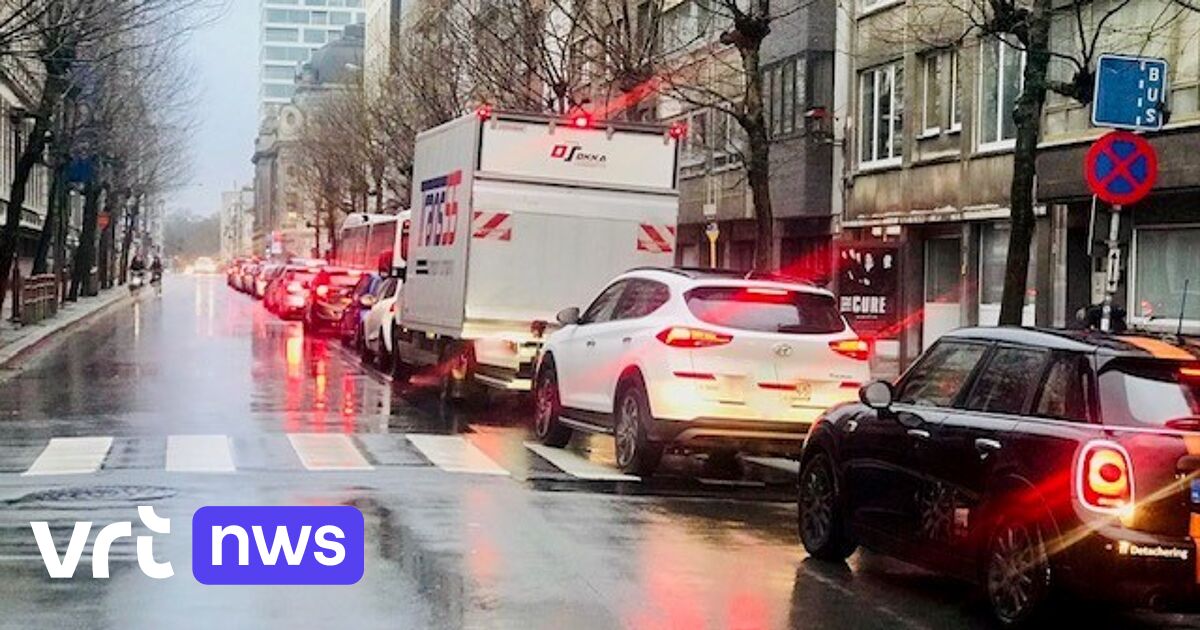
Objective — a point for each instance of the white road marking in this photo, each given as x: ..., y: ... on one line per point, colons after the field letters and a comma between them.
x: 328, y: 451
x: 199, y: 453
x: 71, y: 456
x: 453, y: 453
x: 578, y: 466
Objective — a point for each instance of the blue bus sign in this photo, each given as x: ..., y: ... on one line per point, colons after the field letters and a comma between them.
x: 1131, y: 92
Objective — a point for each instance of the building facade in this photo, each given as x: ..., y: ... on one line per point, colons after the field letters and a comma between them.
x: 797, y: 66
x: 284, y: 211
x: 381, y: 42
x: 237, y: 222
x: 289, y: 35
x: 928, y: 140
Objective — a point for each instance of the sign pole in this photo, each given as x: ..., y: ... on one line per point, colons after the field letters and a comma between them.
x: 1114, y: 268
x: 713, y: 232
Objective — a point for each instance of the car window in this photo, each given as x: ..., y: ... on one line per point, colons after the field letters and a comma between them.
x: 389, y: 288
x: 602, y: 309
x: 363, y: 287
x: 1065, y: 391
x: 642, y: 298
x: 1150, y: 393
x: 1008, y: 381
x: 766, y: 309
x: 940, y: 375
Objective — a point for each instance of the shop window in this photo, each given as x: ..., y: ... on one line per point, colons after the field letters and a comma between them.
x: 943, y: 265
x: 993, y: 258
x: 1165, y: 262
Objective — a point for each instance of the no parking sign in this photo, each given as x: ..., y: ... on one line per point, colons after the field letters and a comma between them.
x: 1121, y: 168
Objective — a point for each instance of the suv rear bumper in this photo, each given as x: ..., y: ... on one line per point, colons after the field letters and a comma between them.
x: 751, y: 436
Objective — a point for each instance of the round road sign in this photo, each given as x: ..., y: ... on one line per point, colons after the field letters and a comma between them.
x: 1121, y: 168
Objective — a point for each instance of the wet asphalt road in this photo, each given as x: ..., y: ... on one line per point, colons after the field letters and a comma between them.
x: 467, y: 526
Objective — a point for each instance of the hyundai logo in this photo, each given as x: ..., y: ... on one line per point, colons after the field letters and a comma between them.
x: 783, y: 350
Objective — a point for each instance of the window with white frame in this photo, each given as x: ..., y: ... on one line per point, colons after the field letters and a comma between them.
x: 955, y: 116
x: 1001, y: 67
x: 931, y: 92
x: 881, y: 115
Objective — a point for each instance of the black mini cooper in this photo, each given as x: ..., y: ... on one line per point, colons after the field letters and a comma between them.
x: 1029, y: 461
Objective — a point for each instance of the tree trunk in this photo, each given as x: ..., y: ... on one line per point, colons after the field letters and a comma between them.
x: 85, y: 254
x: 758, y: 162
x: 63, y: 201
x: 1028, y: 119
x: 41, y: 258
x: 31, y: 154
x: 127, y: 239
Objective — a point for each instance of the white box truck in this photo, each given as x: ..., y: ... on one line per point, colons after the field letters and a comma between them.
x: 515, y: 217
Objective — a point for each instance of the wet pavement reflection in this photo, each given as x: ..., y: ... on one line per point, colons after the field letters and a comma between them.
x: 467, y: 526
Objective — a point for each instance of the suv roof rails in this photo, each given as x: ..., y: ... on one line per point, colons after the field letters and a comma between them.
x: 705, y: 272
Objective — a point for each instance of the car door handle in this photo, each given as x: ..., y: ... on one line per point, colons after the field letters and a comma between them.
x: 986, y: 446
x: 591, y: 343
x: 920, y: 434
x: 627, y: 340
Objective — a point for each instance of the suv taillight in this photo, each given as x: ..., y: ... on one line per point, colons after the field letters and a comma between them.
x: 1104, y: 477
x: 854, y: 348
x: 684, y: 337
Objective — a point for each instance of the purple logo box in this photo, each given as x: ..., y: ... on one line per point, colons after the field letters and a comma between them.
x: 278, y: 545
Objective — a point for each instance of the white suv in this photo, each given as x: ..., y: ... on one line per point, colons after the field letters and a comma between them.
x: 700, y: 359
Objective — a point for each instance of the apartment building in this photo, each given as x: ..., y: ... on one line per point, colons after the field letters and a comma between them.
x: 797, y: 66
x: 928, y: 139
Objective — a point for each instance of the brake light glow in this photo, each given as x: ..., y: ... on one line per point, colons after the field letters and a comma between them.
x: 1189, y: 372
x: 1104, y: 477
x: 770, y: 292
x: 678, y: 129
x: 684, y: 337
x: 484, y: 112
x: 857, y: 349
x: 581, y: 121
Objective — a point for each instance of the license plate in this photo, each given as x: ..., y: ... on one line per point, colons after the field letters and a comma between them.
x: 804, y: 392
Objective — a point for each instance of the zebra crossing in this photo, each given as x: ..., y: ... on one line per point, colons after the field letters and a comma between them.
x: 313, y: 452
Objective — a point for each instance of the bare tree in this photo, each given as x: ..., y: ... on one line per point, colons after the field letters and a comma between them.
x: 67, y: 41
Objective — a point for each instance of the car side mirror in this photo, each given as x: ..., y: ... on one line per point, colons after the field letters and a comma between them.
x: 877, y: 395
x: 367, y: 301
x: 568, y: 316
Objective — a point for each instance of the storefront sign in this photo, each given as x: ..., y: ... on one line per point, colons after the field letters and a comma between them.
x: 869, y: 287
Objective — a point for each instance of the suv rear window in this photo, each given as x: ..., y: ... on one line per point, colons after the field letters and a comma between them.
x: 766, y: 310
x: 1149, y: 393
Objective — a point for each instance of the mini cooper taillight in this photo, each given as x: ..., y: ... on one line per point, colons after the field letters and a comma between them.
x: 1104, y: 477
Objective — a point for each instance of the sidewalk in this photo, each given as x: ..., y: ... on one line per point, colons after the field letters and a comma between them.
x: 15, y: 339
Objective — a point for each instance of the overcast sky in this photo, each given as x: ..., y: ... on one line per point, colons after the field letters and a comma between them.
x: 225, y: 55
